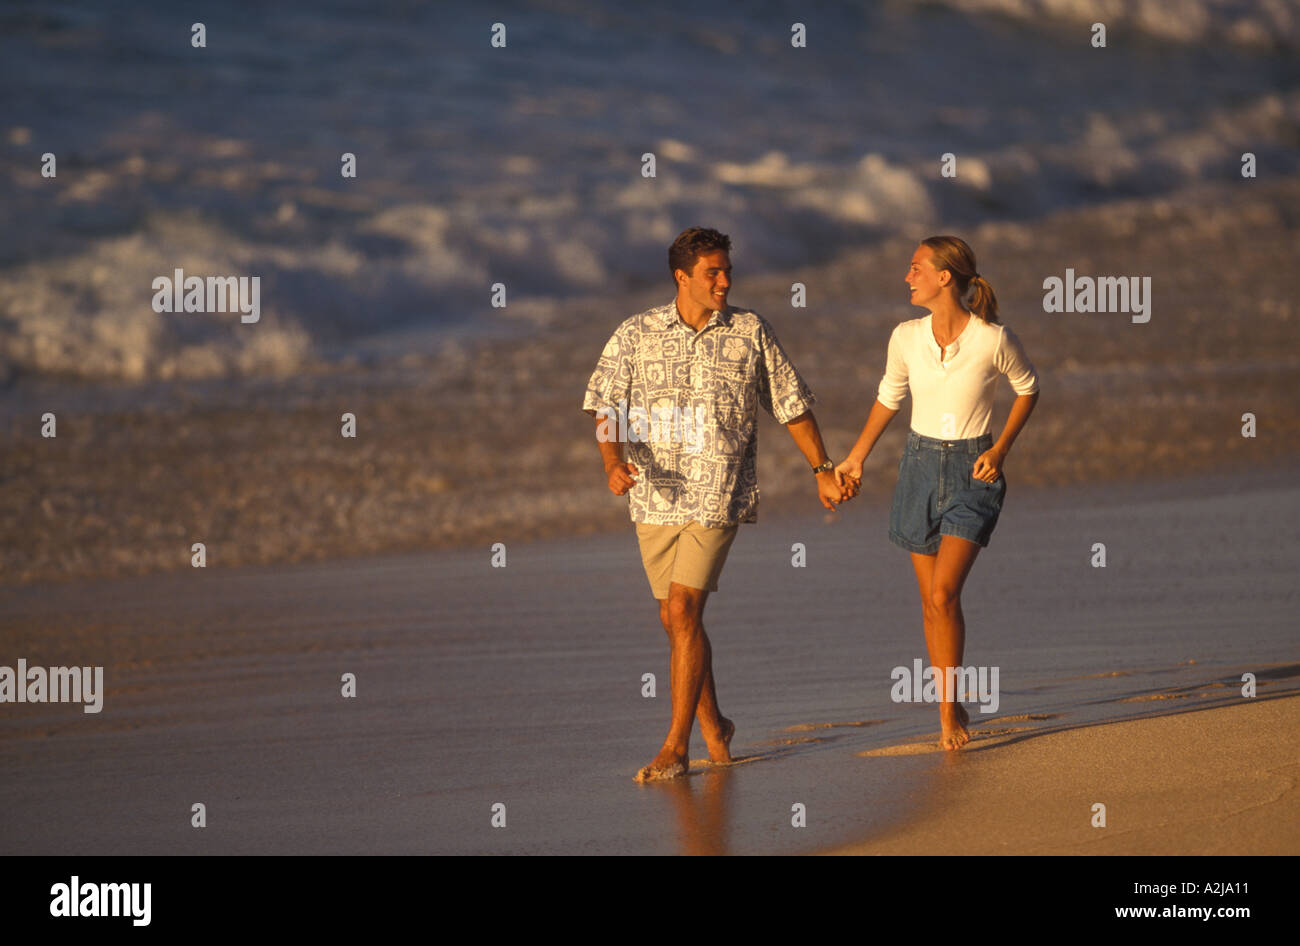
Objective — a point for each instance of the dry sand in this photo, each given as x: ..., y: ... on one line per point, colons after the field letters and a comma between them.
x: 1219, y: 781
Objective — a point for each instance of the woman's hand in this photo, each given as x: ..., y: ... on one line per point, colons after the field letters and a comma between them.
x: 988, y: 465
x: 849, y: 473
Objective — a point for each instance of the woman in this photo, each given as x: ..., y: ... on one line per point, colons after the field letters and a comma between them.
x: 950, y: 483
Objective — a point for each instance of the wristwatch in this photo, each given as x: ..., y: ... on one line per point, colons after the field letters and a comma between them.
x: 824, y: 468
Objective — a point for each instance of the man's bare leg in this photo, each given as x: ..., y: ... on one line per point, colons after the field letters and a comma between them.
x: 940, y: 578
x: 691, y: 662
x: 716, y: 728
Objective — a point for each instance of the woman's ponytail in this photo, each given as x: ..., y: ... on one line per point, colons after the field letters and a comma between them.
x: 982, y: 300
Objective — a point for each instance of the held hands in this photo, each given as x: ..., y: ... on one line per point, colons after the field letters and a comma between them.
x: 988, y: 465
x: 621, y: 478
x: 831, y: 489
x: 839, y: 485
x: 851, y: 470
x: 836, y: 486
x: 848, y: 477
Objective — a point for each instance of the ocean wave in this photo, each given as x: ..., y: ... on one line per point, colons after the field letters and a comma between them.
x: 480, y: 167
x: 1263, y: 24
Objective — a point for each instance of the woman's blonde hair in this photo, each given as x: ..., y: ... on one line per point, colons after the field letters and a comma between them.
x: 953, y: 254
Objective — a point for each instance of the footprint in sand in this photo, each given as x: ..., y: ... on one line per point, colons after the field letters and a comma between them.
x: 1026, y: 717
x: 793, y: 741
x: 909, y: 748
x: 809, y: 727
x: 703, y: 765
x: 932, y: 745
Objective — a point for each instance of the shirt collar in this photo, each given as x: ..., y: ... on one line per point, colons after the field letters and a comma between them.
x: 669, y: 318
x: 954, y: 346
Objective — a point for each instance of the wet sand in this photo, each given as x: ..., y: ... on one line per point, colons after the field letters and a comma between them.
x: 523, y: 685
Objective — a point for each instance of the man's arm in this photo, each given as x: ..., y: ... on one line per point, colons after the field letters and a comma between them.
x: 808, y: 438
x: 611, y: 454
x: 781, y: 392
x: 611, y: 383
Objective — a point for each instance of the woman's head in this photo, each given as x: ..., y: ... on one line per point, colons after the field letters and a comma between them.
x: 946, y: 264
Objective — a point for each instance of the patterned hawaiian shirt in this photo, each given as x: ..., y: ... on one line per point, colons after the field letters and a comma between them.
x: 686, y: 404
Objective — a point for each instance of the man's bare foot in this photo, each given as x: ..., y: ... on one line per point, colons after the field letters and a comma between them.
x: 952, y: 721
x: 667, y: 764
x: 720, y: 747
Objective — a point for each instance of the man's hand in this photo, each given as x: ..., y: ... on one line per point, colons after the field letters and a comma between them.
x: 829, y: 490
x: 621, y: 478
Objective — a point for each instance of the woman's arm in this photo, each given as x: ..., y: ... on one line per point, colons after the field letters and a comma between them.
x: 893, y: 388
x: 877, y: 421
x: 1020, y: 411
x: 988, y: 466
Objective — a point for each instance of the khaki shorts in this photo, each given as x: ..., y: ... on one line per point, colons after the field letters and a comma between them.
x: 691, y: 554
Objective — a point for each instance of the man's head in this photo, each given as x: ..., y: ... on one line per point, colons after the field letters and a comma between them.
x: 700, y: 261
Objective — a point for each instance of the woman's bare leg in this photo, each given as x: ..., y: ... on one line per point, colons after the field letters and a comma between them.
x: 940, y: 578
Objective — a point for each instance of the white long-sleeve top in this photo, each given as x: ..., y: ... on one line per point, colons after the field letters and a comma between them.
x: 952, y: 388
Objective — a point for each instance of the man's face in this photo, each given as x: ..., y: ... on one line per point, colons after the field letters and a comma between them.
x: 709, y: 284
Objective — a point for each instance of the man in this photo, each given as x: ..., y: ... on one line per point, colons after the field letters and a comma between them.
x: 681, y: 385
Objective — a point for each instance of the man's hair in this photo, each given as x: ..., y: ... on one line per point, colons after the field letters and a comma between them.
x: 691, y: 244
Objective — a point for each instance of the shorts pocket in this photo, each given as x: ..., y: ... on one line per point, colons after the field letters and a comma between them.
x: 988, y: 495
x: 976, y: 483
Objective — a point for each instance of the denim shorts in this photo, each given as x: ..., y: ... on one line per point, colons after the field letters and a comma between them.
x: 938, y: 495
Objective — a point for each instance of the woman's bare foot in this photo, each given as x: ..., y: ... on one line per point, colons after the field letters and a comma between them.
x: 952, y: 721
x: 720, y: 744
x: 667, y: 764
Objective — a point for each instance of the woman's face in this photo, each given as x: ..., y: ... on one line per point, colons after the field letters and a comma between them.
x: 926, y: 283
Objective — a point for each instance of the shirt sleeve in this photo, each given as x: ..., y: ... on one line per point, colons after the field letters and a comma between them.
x: 1012, y: 362
x: 612, y: 379
x: 894, y: 386
x: 781, y: 391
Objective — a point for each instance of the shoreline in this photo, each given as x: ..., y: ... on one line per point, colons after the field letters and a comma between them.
x: 787, y: 507
x: 1218, y: 780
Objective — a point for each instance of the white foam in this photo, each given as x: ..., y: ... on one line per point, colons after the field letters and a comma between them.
x: 1240, y: 22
